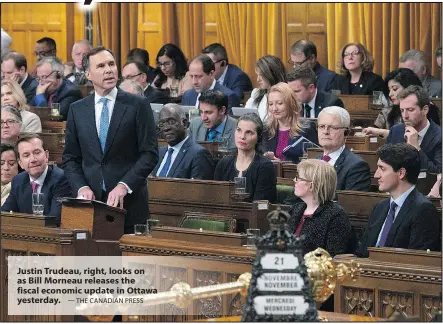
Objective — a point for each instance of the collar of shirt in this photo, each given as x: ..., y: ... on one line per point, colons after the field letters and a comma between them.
x: 312, y: 104
x: 24, y: 80
x: 212, y: 85
x: 401, y: 200
x: 147, y: 86
x: 335, y: 155
x: 112, y: 96
x: 422, y: 133
x: 40, y: 180
x: 177, y: 147
x: 220, y: 128
x: 221, y: 79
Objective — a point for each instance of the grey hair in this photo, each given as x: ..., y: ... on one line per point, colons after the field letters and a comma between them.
x: 175, y: 108
x: 13, y: 111
x: 56, y: 64
x: 133, y: 84
x: 414, y: 55
x: 341, y: 113
x: 82, y: 42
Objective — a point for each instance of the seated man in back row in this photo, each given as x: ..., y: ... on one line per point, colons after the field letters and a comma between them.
x: 417, y: 130
x: 182, y: 158
x: 214, y: 124
x: 406, y: 220
x: 38, y: 178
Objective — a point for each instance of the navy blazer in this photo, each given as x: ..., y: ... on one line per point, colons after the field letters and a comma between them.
x: 66, y: 94
x: 353, y: 173
x: 325, y: 99
x: 190, y: 97
x: 129, y: 156
x: 294, y: 153
x: 156, y: 96
x: 326, y: 79
x: 431, y: 151
x: 29, y: 87
x: 192, y: 162
x: 237, y: 80
x: 55, y: 186
x: 416, y: 226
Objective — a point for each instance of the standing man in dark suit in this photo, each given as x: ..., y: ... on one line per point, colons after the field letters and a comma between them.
x: 229, y: 75
x: 353, y: 172
x: 417, y: 130
x: 111, y: 142
x: 201, y: 72
x: 137, y: 71
x: 304, y: 53
x: 14, y: 67
x: 39, y: 177
x: 407, y: 219
x: 182, y: 158
x: 303, y: 81
x: 53, y: 88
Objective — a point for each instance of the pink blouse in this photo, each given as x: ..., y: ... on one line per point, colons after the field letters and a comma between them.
x: 283, y: 139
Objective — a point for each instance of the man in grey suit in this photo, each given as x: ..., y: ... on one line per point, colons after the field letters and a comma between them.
x: 415, y: 60
x: 214, y: 124
x: 182, y: 157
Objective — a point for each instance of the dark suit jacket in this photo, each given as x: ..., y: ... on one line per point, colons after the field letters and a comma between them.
x: 432, y: 86
x: 192, y: 162
x: 431, y: 150
x: 368, y: 83
x: 325, y: 99
x: 130, y: 153
x: 237, y: 80
x: 329, y: 228
x: 65, y: 95
x: 294, y: 153
x: 416, y: 226
x: 55, y: 186
x: 29, y: 87
x: 326, y: 79
x: 190, y: 97
x: 353, y: 173
x: 156, y: 96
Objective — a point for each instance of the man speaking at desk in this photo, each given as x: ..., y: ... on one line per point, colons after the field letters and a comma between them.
x: 111, y: 143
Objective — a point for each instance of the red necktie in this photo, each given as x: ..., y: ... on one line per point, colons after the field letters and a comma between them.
x: 326, y: 158
x: 34, y: 186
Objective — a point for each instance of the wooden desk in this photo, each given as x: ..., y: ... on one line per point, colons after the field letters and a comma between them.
x: 361, y: 109
x: 392, y: 279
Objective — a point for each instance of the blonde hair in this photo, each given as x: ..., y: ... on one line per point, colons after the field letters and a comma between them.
x: 291, y: 105
x: 17, y: 93
x: 323, y: 177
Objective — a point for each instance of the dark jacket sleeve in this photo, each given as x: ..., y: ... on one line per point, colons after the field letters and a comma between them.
x: 71, y: 97
x: 241, y: 84
x: 431, y: 165
x: 220, y: 170
x: 203, y: 166
x: 11, y: 201
x: 425, y: 229
x: 61, y: 189
x: 233, y: 101
x: 339, y: 234
x: 359, y: 177
x: 266, y: 188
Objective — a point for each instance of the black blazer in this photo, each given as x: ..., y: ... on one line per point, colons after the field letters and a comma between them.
x: 192, y: 162
x: 416, y: 226
x: 55, y: 186
x: 261, y: 180
x: 156, y: 96
x: 325, y: 99
x: 29, y: 87
x: 431, y: 151
x: 368, y: 83
x: 329, y: 228
x: 66, y: 94
x: 130, y: 153
x: 353, y: 173
x: 294, y: 153
x: 326, y: 79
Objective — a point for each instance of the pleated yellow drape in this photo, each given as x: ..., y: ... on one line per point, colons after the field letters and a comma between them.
x: 386, y: 29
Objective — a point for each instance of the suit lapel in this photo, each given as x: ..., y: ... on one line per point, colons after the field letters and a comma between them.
x: 404, y: 210
x: 378, y: 224
x: 27, y: 194
x: 162, y: 151
x: 45, y: 189
x: 318, y: 103
x: 339, y: 163
x: 117, y: 117
x: 179, y: 157
x: 90, y: 122
x: 429, y: 136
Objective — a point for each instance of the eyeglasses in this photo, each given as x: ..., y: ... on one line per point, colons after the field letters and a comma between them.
x: 297, y: 63
x: 166, y: 64
x: 131, y: 76
x: 169, y: 122
x: 43, y: 78
x: 353, y: 53
x: 298, y: 179
x: 44, y: 53
x: 329, y: 128
x: 9, y: 122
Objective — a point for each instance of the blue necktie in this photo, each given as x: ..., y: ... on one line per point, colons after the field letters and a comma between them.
x: 167, y: 164
x: 388, y: 225
x: 212, y: 135
x: 104, y: 126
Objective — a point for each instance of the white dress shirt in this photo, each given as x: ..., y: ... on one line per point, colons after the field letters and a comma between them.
x: 198, y: 96
x: 74, y: 71
x: 221, y: 79
x: 312, y: 105
x: 177, y: 147
x: 40, y: 180
x: 24, y: 80
x: 422, y: 133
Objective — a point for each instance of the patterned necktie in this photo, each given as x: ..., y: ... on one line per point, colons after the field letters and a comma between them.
x: 326, y: 158
x: 167, y: 164
x: 104, y: 123
x: 34, y: 186
x: 388, y: 225
x: 212, y: 135
x: 308, y: 111
x: 79, y: 78
x: 51, y: 99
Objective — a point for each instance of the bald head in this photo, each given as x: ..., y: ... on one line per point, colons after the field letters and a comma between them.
x: 78, y: 50
x: 171, y: 123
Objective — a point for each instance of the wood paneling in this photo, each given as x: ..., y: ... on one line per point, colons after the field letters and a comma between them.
x: 210, y: 24
x: 150, y: 32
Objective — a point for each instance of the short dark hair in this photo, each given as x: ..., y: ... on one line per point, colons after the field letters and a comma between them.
x: 259, y: 128
x: 306, y: 46
x: 140, y: 66
x: 18, y: 58
x: 8, y: 147
x: 305, y: 74
x: 27, y: 137
x: 218, y: 50
x: 214, y: 98
x: 419, y: 92
x: 48, y: 41
x: 138, y: 54
x: 399, y: 156
x: 94, y: 51
x: 206, y: 63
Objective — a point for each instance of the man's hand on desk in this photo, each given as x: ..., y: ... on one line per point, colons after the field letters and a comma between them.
x: 86, y: 193
x: 115, y: 197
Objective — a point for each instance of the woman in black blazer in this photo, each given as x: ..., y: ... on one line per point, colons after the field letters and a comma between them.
x: 323, y: 222
x: 283, y: 137
x: 357, y: 78
x: 249, y: 162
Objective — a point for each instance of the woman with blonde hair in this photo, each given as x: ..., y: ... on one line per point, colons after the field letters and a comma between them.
x: 12, y: 95
x: 323, y: 222
x: 286, y: 132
